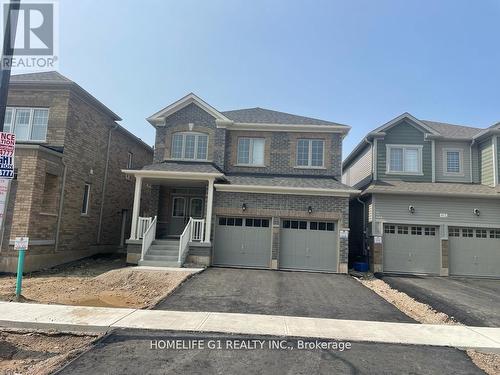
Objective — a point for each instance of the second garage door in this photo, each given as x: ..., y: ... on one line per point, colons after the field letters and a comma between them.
x: 308, y: 245
x: 411, y: 249
x: 474, y: 252
x: 242, y: 242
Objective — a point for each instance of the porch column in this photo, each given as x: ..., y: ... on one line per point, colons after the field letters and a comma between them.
x: 136, y: 207
x: 210, y: 198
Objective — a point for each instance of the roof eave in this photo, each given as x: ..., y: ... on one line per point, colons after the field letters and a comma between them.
x: 427, y: 193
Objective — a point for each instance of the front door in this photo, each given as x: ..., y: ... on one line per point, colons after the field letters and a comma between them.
x: 184, y: 207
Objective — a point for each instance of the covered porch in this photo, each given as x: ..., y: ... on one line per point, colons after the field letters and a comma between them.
x: 179, y: 216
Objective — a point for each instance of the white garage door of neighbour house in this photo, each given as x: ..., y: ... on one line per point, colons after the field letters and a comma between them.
x: 308, y: 245
x: 474, y: 252
x: 411, y: 249
x: 244, y: 242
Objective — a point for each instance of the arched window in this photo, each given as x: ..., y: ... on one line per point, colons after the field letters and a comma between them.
x: 189, y: 146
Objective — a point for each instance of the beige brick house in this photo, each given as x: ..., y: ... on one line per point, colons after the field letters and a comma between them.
x: 69, y: 195
x: 244, y: 188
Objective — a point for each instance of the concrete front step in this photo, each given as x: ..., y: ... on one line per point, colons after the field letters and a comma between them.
x: 152, y: 251
x: 166, y: 242
x: 156, y: 263
x: 163, y: 258
x: 164, y: 247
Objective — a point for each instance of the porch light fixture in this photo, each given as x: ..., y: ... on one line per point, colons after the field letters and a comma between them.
x: 411, y: 209
x: 310, y: 209
x: 244, y: 207
x: 477, y: 212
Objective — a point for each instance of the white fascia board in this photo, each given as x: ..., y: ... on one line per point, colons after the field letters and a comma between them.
x: 344, y: 129
x: 172, y: 174
x: 401, y: 117
x: 286, y: 190
x: 158, y: 119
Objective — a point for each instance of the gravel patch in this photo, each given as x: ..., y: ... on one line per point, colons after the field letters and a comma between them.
x: 39, y: 352
x: 488, y: 362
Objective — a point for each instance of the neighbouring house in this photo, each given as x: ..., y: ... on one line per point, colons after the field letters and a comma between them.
x: 69, y: 195
x: 430, y: 201
x: 244, y: 188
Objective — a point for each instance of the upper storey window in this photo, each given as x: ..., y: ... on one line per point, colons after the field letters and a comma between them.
x: 190, y: 146
x: 404, y: 159
x: 251, y: 151
x: 29, y: 124
x: 310, y: 153
x: 453, y: 160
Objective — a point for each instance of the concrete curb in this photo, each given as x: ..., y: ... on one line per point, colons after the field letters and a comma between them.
x: 26, y: 315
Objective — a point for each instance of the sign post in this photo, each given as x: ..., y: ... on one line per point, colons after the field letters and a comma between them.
x: 21, y: 245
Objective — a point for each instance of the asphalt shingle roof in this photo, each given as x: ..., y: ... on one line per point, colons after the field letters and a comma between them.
x: 453, y: 131
x: 437, y: 188
x: 52, y: 77
x: 182, y: 166
x: 267, y: 116
x: 305, y: 182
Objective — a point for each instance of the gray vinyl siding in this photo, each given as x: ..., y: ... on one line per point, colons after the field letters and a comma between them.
x: 405, y: 134
x: 476, y: 174
x: 394, y: 209
x: 498, y: 159
x: 360, y: 169
x: 441, y: 175
x: 486, y: 162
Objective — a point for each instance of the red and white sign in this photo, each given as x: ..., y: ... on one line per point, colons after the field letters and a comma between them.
x: 7, y: 148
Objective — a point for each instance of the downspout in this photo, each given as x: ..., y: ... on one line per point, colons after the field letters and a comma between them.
x: 364, y: 228
x: 105, y: 180
x: 471, y: 163
x: 61, y: 206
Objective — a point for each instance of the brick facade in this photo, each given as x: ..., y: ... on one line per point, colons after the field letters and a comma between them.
x: 80, y: 132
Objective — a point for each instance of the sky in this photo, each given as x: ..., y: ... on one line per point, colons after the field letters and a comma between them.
x: 356, y: 62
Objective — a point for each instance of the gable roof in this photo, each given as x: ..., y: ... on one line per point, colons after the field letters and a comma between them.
x: 159, y: 117
x: 51, y: 77
x: 436, y: 130
x: 259, y: 115
x: 54, y: 78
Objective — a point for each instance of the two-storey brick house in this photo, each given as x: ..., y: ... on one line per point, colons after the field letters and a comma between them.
x: 430, y: 200
x: 245, y: 188
x: 69, y: 195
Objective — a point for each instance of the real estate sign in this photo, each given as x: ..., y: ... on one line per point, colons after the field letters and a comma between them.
x: 21, y: 243
x: 7, y: 148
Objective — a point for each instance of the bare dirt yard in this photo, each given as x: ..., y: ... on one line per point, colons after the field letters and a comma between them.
x: 40, y: 352
x: 97, y: 281
x: 489, y: 363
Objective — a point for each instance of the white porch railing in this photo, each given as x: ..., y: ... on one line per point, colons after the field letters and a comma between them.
x: 143, y: 224
x: 197, y: 229
x: 149, y: 236
x: 184, y: 241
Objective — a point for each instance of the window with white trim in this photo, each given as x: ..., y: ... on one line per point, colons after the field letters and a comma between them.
x: 28, y: 124
x: 86, y: 199
x: 189, y: 146
x: 453, y: 161
x: 310, y: 153
x: 404, y: 159
x: 251, y: 151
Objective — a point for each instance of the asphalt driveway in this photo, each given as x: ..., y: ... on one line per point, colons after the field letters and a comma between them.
x: 304, y: 294
x: 474, y: 302
x: 130, y: 352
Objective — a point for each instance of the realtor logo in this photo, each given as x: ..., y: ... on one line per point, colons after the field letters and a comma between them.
x: 35, y: 44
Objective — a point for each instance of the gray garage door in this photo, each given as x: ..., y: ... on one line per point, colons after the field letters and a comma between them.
x: 411, y: 249
x: 308, y: 245
x: 242, y: 242
x: 474, y: 252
